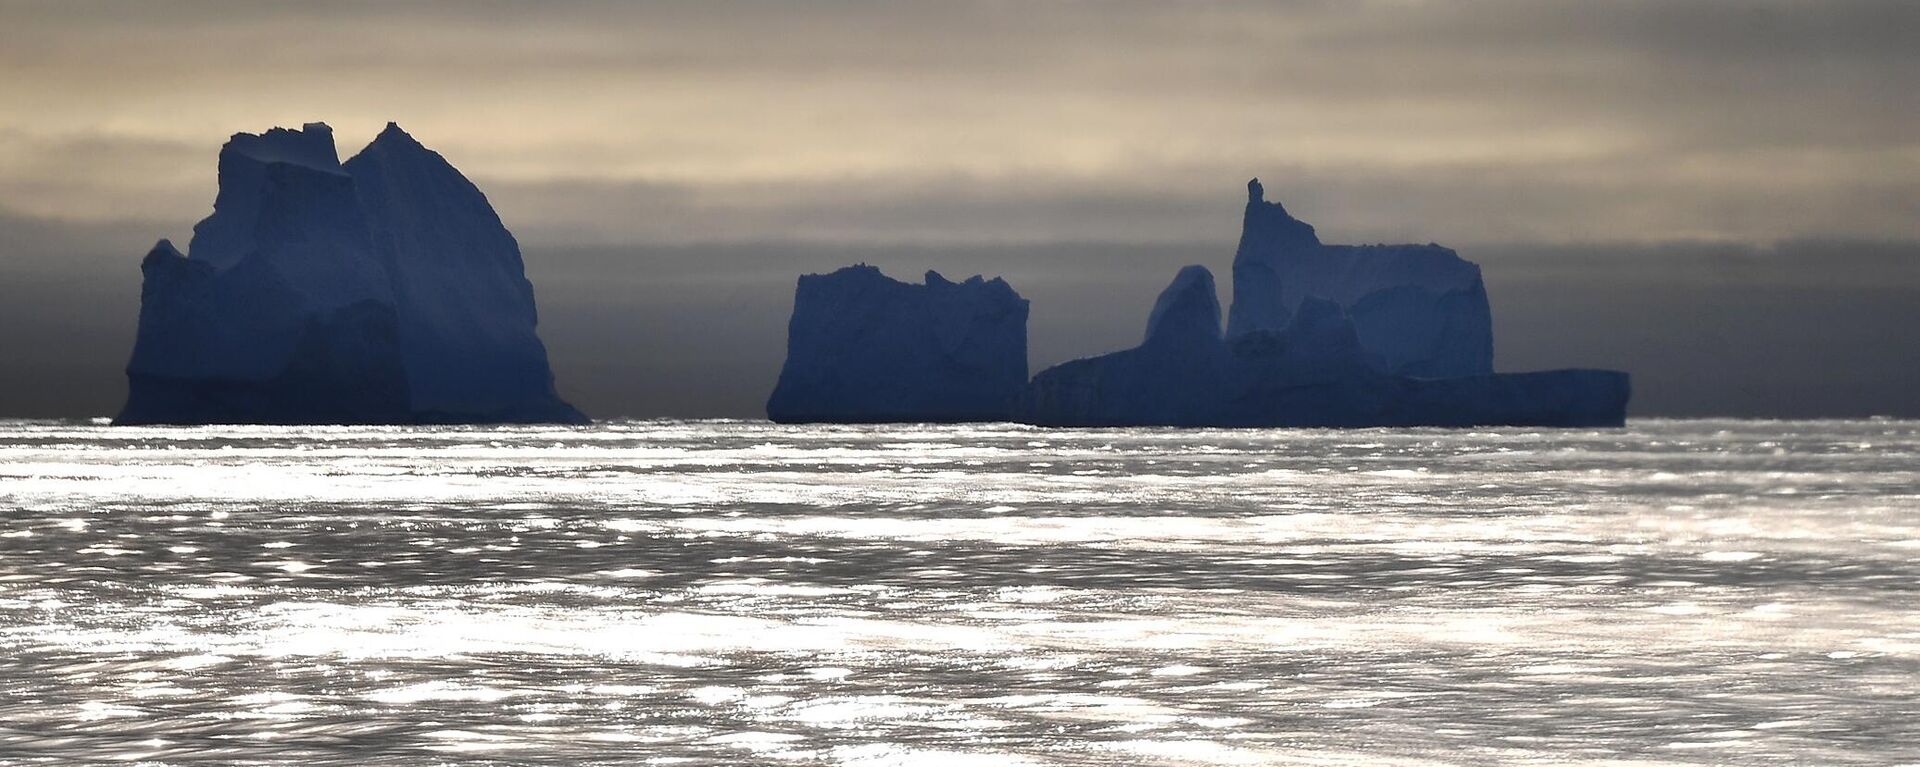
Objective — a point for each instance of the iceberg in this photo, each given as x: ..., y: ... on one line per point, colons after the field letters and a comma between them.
x: 381, y: 291
x: 1317, y: 372
x: 1420, y: 309
x: 863, y: 347
x: 1175, y: 376
x: 1318, y: 336
x: 466, y: 309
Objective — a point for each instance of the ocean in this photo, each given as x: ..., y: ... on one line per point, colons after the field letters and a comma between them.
x: 740, y: 593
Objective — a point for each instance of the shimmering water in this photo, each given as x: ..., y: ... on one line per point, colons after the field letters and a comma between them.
x: 1690, y: 592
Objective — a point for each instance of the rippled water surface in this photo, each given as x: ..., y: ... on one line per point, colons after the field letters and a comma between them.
x: 724, y: 593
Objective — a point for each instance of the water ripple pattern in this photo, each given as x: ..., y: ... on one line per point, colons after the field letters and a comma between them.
x: 729, y: 593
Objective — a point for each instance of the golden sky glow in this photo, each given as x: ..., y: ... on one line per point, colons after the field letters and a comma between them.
x: 1457, y: 122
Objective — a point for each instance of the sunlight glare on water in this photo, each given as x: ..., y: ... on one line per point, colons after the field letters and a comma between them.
x: 725, y: 593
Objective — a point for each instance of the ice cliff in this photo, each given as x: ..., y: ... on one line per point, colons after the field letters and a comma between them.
x: 863, y: 347
x: 381, y: 291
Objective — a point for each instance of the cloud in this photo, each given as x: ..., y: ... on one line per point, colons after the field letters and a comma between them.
x: 1485, y: 120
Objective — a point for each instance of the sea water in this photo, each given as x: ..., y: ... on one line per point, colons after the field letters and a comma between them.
x: 732, y: 593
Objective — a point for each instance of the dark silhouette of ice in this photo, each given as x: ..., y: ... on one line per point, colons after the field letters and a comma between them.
x: 1178, y: 370
x: 381, y: 291
x: 1187, y: 312
x: 1420, y: 309
x: 1319, y: 335
x: 865, y: 348
x: 1316, y: 372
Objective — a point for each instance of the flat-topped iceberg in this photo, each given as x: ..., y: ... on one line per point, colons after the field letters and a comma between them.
x: 381, y: 291
x: 863, y: 347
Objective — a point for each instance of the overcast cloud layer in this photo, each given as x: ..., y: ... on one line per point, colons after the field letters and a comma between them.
x: 613, y: 121
x: 1670, y: 187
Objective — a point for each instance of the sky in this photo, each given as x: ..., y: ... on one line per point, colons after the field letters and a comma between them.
x: 1720, y: 197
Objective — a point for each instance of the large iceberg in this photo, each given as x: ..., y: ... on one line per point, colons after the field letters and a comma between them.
x: 1316, y: 372
x: 1321, y: 335
x: 865, y: 348
x: 381, y: 291
x: 1420, y: 310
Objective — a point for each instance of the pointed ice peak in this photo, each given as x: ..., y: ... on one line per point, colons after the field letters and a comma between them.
x: 311, y: 146
x: 1257, y: 198
x: 162, y: 252
x: 1187, y: 311
x: 393, y: 134
x: 398, y: 148
x: 1268, y: 225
